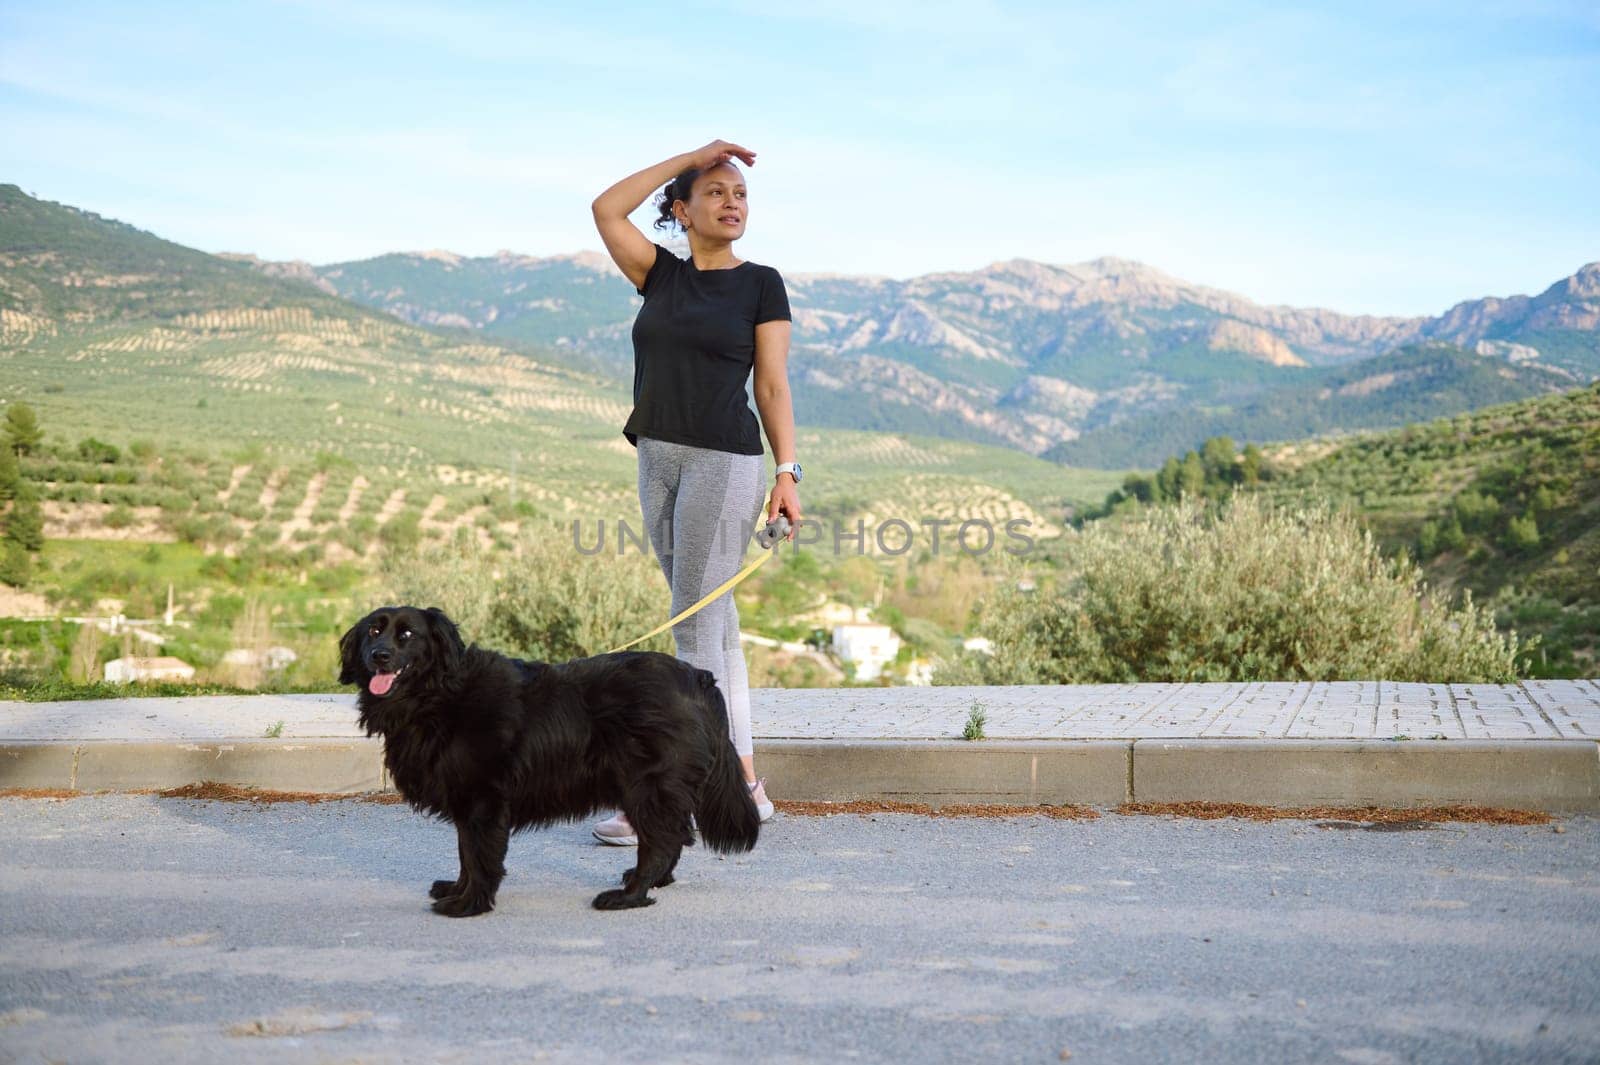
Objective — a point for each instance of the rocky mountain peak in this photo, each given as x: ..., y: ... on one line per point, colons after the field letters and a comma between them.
x: 1583, y: 285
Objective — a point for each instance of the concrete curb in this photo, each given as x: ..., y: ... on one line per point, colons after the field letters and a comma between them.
x: 339, y: 767
x: 1022, y: 772
x: 1557, y: 776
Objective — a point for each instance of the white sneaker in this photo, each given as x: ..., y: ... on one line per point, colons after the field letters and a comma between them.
x: 617, y: 832
x: 758, y: 792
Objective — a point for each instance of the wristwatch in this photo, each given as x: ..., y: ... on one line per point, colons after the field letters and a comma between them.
x: 788, y: 467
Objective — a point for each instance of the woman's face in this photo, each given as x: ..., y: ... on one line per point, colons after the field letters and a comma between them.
x: 718, y: 204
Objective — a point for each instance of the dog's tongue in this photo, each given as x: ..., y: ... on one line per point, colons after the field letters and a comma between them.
x: 381, y: 683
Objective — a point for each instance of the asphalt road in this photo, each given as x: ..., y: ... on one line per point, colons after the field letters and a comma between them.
x: 141, y: 929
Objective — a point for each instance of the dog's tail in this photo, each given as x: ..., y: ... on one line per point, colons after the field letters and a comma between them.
x: 725, y: 813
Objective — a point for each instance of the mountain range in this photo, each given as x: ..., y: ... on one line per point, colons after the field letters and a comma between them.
x: 1108, y: 363
x: 1088, y: 363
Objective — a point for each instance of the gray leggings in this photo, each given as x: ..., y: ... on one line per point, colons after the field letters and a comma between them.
x: 701, y: 508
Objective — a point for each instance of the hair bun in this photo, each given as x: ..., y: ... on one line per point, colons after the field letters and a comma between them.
x: 673, y: 191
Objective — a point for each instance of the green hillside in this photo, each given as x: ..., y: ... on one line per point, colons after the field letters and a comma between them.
x: 1414, y: 383
x: 66, y: 265
x: 1503, y: 502
x: 575, y: 305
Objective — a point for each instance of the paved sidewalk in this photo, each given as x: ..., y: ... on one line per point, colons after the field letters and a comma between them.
x: 1337, y: 710
x: 1533, y: 744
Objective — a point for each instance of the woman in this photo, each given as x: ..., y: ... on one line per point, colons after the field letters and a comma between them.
x: 706, y: 322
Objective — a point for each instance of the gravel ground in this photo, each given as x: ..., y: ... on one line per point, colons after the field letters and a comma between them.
x: 139, y: 928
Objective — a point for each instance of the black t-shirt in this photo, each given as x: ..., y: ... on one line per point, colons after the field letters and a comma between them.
x: 694, y: 345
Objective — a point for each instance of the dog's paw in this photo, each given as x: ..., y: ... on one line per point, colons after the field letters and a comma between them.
x: 620, y: 900
x: 444, y: 889
x: 629, y: 876
x: 463, y: 905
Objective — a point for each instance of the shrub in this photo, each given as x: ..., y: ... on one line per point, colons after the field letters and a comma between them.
x: 403, y: 533
x: 119, y: 517
x: 98, y: 451
x: 1476, y: 511
x: 1428, y: 540
x: 328, y: 460
x: 1522, y: 534
x: 171, y: 499
x: 15, y: 565
x: 544, y: 599
x: 1244, y: 592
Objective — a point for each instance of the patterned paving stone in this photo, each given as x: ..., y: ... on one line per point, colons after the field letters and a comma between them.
x: 1335, y: 710
x: 1571, y: 706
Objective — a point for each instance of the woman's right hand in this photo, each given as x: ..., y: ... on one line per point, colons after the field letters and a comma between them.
x: 719, y: 152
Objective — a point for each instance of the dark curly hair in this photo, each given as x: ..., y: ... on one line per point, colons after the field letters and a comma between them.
x: 676, y: 189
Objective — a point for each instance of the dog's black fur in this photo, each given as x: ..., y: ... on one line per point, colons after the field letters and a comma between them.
x: 496, y: 744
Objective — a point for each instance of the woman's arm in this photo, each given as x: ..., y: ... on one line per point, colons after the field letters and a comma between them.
x: 630, y: 249
x: 777, y: 414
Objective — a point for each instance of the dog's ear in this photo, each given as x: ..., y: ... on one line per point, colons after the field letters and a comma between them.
x: 444, y: 638
x: 350, y: 653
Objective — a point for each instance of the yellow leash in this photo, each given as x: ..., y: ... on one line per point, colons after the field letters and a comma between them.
x: 768, y: 538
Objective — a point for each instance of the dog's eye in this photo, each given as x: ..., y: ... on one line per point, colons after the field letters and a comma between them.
x: 374, y: 631
x: 405, y: 634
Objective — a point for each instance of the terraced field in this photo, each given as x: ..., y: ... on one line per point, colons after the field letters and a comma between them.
x: 254, y: 397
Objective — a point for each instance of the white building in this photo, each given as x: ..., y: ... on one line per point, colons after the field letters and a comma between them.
x: 870, y: 647
x: 123, y: 670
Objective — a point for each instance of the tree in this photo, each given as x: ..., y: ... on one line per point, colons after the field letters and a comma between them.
x: 1476, y: 511
x: 1139, y: 487
x: 1522, y: 534
x: 1218, y: 456
x: 1191, y: 476
x: 1428, y: 539
x: 25, y: 522
x: 10, y: 474
x: 1167, y: 480
x: 1250, y: 467
x: 23, y: 434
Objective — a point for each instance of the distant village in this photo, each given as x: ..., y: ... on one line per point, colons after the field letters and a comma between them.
x: 845, y: 643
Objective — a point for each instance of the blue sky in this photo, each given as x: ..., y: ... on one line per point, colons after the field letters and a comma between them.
x: 1389, y: 158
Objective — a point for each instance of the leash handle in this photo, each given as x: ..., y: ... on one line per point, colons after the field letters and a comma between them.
x: 775, y: 530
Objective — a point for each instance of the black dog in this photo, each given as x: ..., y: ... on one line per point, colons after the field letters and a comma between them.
x: 496, y: 744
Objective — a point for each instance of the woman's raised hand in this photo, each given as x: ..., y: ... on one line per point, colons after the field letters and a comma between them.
x: 719, y: 152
